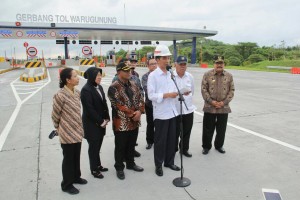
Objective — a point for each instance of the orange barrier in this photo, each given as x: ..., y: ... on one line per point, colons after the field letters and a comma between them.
x: 204, y: 65
x: 295, y: 70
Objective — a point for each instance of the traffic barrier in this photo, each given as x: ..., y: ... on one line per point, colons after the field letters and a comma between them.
x: 33, y: 64
x: 33, y: 79
x: 295, y: 70
x: 87, y: 62
x: 204, y: 65
x: 34, y: 71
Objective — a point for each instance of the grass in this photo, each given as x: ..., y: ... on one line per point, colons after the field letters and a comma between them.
x: 262, y: 66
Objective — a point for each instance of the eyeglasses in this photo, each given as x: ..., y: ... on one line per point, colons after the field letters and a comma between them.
x: 152, y: 64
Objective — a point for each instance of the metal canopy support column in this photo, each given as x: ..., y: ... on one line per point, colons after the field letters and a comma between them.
x: 193, y: 60
x: 174, y: 50
x: 66, y: 47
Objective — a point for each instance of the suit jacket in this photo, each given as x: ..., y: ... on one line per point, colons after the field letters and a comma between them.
x: 95, y: 110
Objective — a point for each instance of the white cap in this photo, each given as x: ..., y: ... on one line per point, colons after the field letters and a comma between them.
x: 162, y: 50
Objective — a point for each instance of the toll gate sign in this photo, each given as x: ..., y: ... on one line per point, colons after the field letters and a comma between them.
x: 32, y: 51
x: 86, y: 50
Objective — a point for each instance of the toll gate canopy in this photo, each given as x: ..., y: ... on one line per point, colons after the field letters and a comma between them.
x: 123, y: 33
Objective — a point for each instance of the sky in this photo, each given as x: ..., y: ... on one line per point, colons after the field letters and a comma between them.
x: 264, y: 22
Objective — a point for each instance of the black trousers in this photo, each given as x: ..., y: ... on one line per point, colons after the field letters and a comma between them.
x: 150, y: 124
x: 124, y: 148
x: 210, y: 123
x: 94, y: 152
x: 164, y: 141
x: 187, y: 125
x: 70, y: 164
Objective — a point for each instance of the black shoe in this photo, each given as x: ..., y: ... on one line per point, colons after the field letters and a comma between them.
x: 159, y: 171
x: 102, y: 169
x: 136, y: 154
x: 205, y: 151
x: 97, y: 174
x: 136, y: 168
x: 149, y: 146
x: 221, y: 150
x: 187, y: 154
x: 81, y: 181
x: 173, y: 167
x: 71, y: 190
x: 120, y: 174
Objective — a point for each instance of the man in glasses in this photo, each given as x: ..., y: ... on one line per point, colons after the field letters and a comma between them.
x: 151, y: 64
x: 217, y: 90
x: 185, y: 81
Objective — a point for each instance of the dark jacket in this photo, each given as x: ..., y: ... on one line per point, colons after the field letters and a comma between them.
x: 95, y: 108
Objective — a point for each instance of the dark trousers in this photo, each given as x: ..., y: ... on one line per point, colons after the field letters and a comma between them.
x: 124, y: 148
x: 94, y: 152
x: 210, y: 123
x: 150, y: 124
x: 164, y: 141
x: 187, y: 125
x: 71, y: 164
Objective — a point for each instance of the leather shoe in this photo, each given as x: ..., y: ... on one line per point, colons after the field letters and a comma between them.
x: 187, y: 154
x: 121, y: 175
x: 173, y: 167
x: 81, y: 181
x: 102, y: 169
x: 71, y: 190
x: 136, y: 154
x: 205, y: 151
x: 159, y: 171
x: 149, y: 146
x: 97, y: 174
x: 136, y: 168
x: 221, y: 150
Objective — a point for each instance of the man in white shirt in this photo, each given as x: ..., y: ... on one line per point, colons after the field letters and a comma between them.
x: 185, y: 82
x: 163, y: 94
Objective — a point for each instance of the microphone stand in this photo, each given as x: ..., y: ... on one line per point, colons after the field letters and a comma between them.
x: 180, y: 181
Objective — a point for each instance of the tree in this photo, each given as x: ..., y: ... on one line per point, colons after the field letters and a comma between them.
x: 246, y: 48
x: 254, y: 58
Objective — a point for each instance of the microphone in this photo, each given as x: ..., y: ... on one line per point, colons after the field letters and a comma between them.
x: 169, y: 68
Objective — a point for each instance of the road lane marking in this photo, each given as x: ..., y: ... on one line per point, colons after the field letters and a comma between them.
x: 259, y: 135
x: 20, y: 102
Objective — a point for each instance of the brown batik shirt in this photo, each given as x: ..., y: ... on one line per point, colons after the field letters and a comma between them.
x: 217, y: 88
x: 125, y: 100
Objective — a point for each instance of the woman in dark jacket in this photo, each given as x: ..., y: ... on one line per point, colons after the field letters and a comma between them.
x: 95, y: 117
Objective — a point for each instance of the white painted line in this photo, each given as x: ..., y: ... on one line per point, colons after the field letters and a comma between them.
x: 27, y: 85
x: 260, y: 135
x: 25, y: 93
x: 13, y: 117
x: 28, y: 88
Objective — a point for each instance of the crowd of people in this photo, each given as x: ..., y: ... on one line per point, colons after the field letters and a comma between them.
x: 168, y: 107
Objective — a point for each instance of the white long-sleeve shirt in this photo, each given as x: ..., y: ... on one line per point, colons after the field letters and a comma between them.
x: 158, y: 84
x: 186, y: 81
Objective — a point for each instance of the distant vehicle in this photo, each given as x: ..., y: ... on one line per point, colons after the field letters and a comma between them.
x: 59, y: 58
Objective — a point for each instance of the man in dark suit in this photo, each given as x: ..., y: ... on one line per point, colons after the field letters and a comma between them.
x: 95, y: 117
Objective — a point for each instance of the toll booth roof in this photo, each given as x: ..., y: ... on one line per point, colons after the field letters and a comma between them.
x: 98, y: 32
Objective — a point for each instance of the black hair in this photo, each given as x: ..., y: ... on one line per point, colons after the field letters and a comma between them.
x: 150, y: 59
x: 157, y: 57
x: 64, y: 75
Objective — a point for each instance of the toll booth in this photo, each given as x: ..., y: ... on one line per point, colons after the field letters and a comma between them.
x: 111, y: 58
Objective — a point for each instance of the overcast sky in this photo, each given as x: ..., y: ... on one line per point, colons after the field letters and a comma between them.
x: 265, y: 22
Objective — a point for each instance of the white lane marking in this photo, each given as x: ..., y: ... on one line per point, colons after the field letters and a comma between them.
x: 25, y: 93
x: 260, y: 135
x: 13, y: 117
x: 27, y: 88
